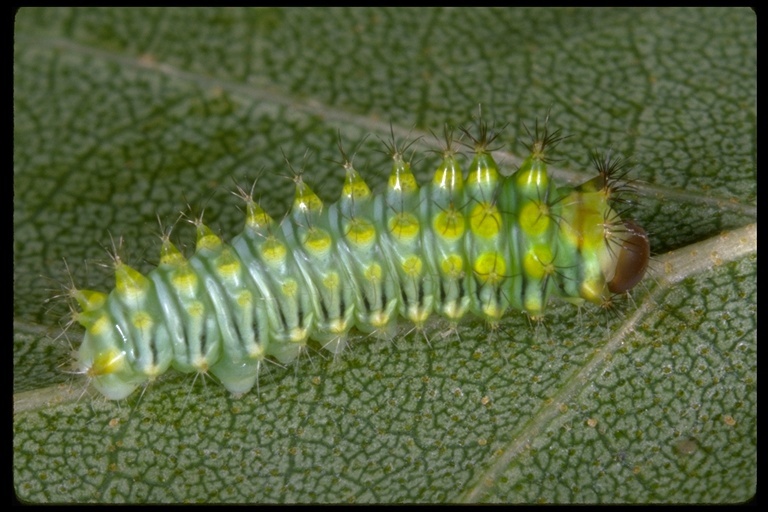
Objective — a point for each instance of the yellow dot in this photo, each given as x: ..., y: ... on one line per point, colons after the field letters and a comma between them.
x: 534, y: 218
x: 244, y: 299
x: 290, y: 287
x: 485, y: 220
x: 257, y: 352
x: 208, y: 241
x: 317, y: 241
x: 404, y: 226
x: 107, y: 362
x: 184, y: 281
x: 449, y: 225
x: 592, y: 289
x: 490, y: 268
x: 373, y: 272
x: 453, y: 266
x: 356, y: 189
x: 534, y: 177
x: 537, y: 261
x: 331, y: 281
x: 360, y: 232
x: 100, y: 325
x: 170, y: 255
x: 196, y: 309
x: 142, y: 320
x: 273, y: 251
x: 412, y: 266
x: 403, y: 181
x: 130, y: 284
x: 256, y: 218
x: 533, y: 305
x: 227, y: 265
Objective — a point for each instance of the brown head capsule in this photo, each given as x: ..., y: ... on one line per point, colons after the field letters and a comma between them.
x: 633, y: 256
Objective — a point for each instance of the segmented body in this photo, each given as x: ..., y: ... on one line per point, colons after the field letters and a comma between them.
x: 482, y: 244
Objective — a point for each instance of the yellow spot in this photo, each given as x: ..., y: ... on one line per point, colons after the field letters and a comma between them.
x: 338, y: 326
x: 317, y: 241
x: 207, y: 239
x: 257, y: 352
x: 418, y: 315
x: 483, y: 171
x: 129, y: 283
x: 533, y: 175
x: 452, y: 311
x: 404, y: 226
x: 412, y: 266
x: 360, y: 232
x: 89, y: 300
x: 107, y: 362
x: 184, y: 281
x: 170, y: 255
x: 534, y: 218
x: 153, y: 371
x: 245, y: 299
x: 493, y: 312
x: 290, y: 287
x: 354, y: 187
x: 402, y: 180
x: 100, y: 325
x: 201, y: 364
x: 485, y: 220
x: 449, y: 225
x: 256, y: 218
x: 379, y: 319
x: 273, y: 251
x: 533, y: 305
x: 331, y: 281
x: 592, y: 289
x: 306, y: 200
x: 537, y: 261
x: 373, y: 273
x: 298, y: 335
x: 452, y: 266
x: 196, y: 309
x: 227, y: 266
x: 142, y: 320
x: 449, y: 176
x: 593, y: 230
x: 490, y: 268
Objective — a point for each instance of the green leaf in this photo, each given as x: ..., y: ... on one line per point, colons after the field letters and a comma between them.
x: 123, y: 116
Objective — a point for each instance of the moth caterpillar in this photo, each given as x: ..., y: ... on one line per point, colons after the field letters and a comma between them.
x: 479, y: 243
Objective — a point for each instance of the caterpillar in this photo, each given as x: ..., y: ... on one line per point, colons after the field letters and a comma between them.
x: 479, y: 243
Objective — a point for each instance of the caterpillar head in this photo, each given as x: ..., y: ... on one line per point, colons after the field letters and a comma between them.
x: 631, y: 258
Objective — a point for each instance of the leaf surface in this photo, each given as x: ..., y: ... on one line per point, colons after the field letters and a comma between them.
x: 123, y: 116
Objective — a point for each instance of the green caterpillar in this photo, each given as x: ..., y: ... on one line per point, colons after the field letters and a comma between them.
x: 480, y: 244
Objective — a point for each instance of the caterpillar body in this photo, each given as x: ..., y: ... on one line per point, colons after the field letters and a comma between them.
x: 480, y: 244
